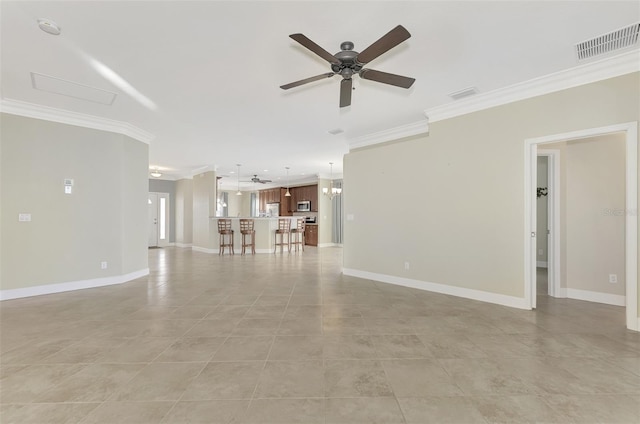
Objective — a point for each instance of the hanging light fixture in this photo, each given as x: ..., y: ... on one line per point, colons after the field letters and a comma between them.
x: 331, y: 191
x: 238, y: 193
x: 287, y: 194
x: 156, y: 173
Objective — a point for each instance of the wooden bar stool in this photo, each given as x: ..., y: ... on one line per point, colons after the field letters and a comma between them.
x: 226, y: 236
x: 284, y: 227
x: 247, y: 231
x: 298, y: 234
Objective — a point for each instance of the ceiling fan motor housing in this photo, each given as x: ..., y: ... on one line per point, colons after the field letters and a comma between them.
x: 348, y: 61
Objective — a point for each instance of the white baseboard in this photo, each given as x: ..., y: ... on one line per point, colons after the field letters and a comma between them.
x: 499, y: 299
x: 591, y: 296
x: 187, y: 245
x: 71, y: 285
x: 541, y: 264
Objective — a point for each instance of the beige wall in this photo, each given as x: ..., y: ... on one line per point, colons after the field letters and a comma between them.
x: 204, y: 207
x: 184, y: 211
x: 458, y: 208
x: 595, y: 237
x: 239, y: 206
x: 105, y: 219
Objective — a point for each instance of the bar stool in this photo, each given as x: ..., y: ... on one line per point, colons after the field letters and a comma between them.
x: 284, y: 227
x: 247, y: 231
x: 226, y: 235
x: 298, y: 234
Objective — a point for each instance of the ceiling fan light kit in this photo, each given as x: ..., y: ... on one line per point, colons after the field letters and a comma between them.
x: 348, y: 62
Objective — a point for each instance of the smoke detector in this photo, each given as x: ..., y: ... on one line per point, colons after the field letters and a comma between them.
x: 48, y: 26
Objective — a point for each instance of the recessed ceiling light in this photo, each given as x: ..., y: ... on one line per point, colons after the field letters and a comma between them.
x: 48, y: 26
x: 265, y: 170
x: 336, y: 131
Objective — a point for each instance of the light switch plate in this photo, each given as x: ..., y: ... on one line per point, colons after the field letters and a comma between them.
x: 24, y: 217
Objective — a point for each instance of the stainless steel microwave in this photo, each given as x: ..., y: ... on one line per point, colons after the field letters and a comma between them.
x: 304, y: 206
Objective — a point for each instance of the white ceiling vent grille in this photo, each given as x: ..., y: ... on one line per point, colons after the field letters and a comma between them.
x: 607, y: 43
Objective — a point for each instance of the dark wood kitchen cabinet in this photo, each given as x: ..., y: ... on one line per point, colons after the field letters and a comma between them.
x: 309, y: 193
x: 311, y: 235
x: 285, y: 203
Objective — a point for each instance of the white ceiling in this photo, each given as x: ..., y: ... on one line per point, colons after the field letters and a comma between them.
x: 203, y: 77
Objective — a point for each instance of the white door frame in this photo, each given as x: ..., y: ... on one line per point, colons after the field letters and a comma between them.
x: 553, y: 220
x: 630, y: 129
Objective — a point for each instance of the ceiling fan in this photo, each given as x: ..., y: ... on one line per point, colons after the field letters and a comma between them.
x: 348, y: 62
x: 255, y: 179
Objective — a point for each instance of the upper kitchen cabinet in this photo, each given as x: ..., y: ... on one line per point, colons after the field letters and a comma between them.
x: 309, y: 193
x: 285, y: 203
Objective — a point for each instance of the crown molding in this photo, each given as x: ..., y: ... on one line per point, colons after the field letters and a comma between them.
x: 615, y: 66
x: 31, y: 110
x: 391, y: 134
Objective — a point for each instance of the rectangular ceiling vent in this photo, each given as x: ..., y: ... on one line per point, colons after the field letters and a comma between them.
x: 72, y: 89
x: 616, y: 40
x: 457, y: 95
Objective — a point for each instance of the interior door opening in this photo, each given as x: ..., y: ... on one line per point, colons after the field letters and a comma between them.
x: 625, y: 136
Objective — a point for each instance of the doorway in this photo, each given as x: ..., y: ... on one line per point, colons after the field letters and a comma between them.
x: 548, y: 220
x: 158, y: 230
x: 630, y: 210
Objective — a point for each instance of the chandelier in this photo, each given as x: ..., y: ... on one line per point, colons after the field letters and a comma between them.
x: 331, y: 191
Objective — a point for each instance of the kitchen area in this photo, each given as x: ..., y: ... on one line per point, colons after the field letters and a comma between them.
x: 196, y: 205
x: 302, y: 202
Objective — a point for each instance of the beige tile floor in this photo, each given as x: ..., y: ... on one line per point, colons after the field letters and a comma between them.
x: 288, y: 339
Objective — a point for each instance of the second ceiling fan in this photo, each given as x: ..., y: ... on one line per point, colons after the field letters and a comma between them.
x: 348, y: 62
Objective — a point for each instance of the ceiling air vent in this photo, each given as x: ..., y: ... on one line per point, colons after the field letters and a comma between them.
x: 457, y: 95
x: 607, y: 43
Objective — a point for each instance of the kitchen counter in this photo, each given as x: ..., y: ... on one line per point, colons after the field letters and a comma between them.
x: 265, y: 232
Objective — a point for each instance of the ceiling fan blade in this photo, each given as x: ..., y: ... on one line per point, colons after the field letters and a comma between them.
x: 306, y: 42
x: 384, y: 44
x: 383, y: 77
x: 345, y: 92
x: 307, y: 80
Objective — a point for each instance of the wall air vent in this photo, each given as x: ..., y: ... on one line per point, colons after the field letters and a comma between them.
x: 615, y: 40
x: 457, y: 95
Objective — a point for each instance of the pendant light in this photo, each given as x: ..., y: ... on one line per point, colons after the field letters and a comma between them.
x: 332, y: 191
x: 287, y: 194
x: 238, y: 193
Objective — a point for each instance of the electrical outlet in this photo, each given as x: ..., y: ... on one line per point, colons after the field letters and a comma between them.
x: 613, y: 278
x: 406, y: 265
x: 24, y: 217
x: 103, y: 265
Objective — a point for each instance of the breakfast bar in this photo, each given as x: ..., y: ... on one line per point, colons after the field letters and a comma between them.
x: 264, y: 228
